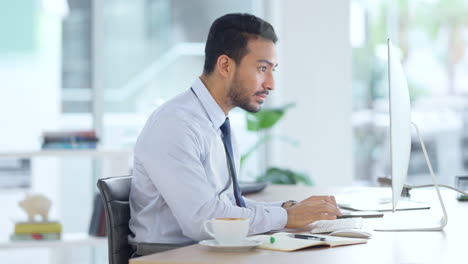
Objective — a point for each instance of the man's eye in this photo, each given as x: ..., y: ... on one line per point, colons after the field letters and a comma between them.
x: 263, y: 68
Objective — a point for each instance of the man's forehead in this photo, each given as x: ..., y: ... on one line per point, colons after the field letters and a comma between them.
x: 262, y: 50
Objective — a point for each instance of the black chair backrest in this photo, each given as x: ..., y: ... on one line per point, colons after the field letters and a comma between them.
x: 115, y: 192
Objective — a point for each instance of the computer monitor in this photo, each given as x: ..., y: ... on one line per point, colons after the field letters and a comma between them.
x: 400, y: 123
x: 400, y: 136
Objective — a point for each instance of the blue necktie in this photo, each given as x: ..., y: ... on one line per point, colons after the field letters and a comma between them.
x: 226, y: 129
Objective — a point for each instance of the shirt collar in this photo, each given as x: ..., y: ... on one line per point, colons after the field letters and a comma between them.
x: 215, y: 113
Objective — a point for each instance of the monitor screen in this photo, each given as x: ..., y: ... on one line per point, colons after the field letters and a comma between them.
x: 400, y: 123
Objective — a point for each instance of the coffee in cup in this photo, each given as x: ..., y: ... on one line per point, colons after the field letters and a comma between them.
x: 228, y: 231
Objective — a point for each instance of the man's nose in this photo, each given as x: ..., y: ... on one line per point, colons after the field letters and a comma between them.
x: 269, y: 82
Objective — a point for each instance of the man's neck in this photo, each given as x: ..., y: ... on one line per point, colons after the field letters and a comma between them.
x: 218, y: 92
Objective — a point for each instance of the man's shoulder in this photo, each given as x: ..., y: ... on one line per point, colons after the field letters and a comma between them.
x: 180, y: 120
x: 182, y: 110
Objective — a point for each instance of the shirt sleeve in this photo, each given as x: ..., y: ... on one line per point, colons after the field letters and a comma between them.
x: 172, y: 155
x: 279, y: 214
x: 251, y: 203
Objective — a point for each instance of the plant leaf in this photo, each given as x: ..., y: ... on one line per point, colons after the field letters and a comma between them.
x: 266, y: 118
x: 284, y: 176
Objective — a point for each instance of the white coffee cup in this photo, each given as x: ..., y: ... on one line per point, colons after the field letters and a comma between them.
x: 228, y: 231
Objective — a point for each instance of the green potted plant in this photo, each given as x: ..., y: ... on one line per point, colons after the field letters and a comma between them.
x: 261, y: 122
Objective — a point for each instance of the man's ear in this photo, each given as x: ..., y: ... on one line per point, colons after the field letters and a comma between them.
x: 225, y: 65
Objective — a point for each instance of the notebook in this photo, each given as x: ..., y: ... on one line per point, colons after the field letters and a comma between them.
x: 284, y: 242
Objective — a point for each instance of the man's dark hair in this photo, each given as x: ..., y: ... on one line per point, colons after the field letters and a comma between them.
x: 229, y: 35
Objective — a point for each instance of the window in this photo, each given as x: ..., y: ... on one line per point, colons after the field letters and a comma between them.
x: 432, y: 36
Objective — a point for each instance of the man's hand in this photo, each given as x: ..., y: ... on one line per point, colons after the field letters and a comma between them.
x: 312, y: 209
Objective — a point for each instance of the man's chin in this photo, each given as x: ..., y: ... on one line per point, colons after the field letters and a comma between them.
x: 253, y: 108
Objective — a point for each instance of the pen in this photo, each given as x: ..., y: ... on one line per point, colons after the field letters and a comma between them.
x: 307, y: 237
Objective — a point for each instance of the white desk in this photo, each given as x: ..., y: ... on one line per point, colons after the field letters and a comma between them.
x: 448, y: 246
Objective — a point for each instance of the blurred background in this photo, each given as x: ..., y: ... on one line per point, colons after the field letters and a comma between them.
x: 105, y: 65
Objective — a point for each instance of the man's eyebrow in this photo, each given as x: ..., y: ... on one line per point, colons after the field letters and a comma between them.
x: 268, y: 62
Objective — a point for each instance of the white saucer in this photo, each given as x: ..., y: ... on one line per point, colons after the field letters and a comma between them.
x: 247, y: 245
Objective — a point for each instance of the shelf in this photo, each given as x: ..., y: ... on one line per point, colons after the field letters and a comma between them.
x: 67, y: 240
x: 67, y: 152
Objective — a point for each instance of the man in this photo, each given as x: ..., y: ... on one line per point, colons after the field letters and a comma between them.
x: 186, y: 160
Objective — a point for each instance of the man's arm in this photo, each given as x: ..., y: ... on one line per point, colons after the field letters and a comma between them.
x: 312, y: 209
x: 307, y: 211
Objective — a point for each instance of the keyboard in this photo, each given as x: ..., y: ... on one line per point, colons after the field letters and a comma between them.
x: 327, y: 226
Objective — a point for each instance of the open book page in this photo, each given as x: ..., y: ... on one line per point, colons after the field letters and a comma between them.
x: 284, y: 242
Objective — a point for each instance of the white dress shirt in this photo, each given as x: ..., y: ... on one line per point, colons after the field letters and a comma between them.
x: 179, y: 170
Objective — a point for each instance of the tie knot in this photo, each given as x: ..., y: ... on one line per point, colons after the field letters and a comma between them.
x: 226, y: 127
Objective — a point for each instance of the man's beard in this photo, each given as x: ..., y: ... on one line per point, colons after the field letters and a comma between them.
x: 240, y: 98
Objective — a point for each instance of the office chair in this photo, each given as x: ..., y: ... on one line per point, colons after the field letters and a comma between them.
x: 115, y: 193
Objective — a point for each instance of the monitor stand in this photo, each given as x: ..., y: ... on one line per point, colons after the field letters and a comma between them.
x: 443, y: 221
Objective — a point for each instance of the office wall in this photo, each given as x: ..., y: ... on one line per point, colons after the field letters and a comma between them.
x: 29, y: 103
x: 315, y: 73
